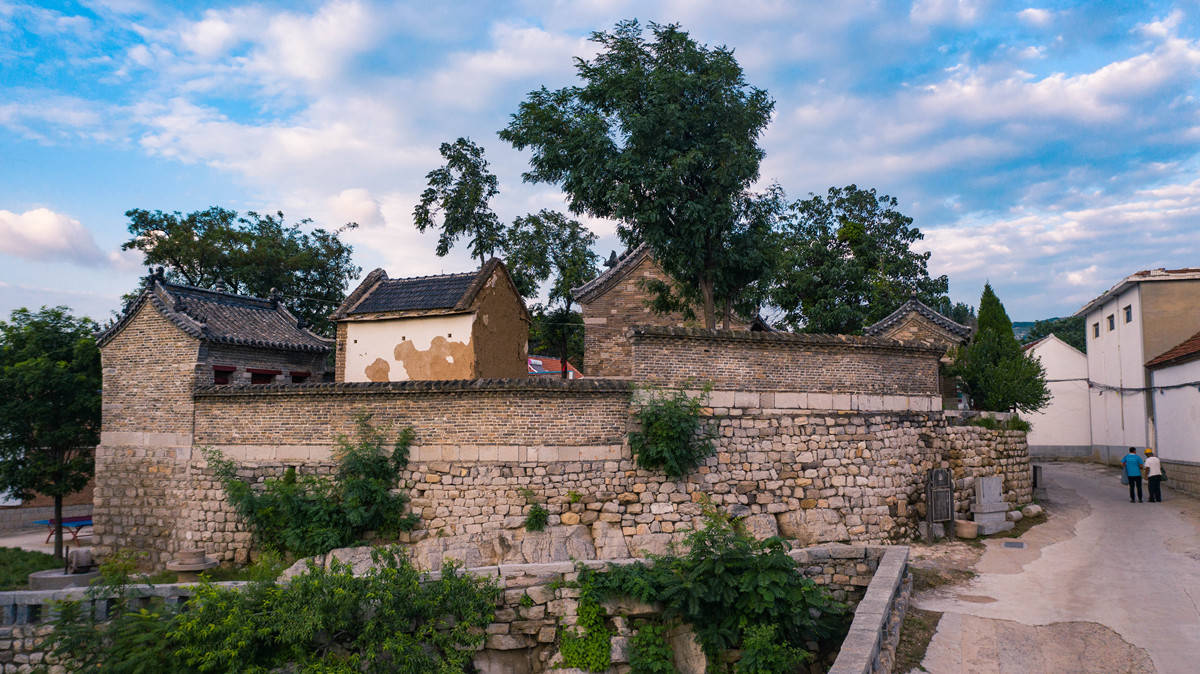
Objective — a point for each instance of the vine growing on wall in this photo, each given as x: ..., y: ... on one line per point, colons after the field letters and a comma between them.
x: 310, y: 514
x: 673, y: 437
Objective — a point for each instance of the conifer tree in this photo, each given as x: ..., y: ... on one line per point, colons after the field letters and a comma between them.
x: 995, y: 372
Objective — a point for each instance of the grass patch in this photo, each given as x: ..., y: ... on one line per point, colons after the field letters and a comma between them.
x: 16, y: 565
x: 915, y: 633
x: 928, y: 579
x: 1019, y: 528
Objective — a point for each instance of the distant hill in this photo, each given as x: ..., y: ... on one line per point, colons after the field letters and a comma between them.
x: 1021, y: 329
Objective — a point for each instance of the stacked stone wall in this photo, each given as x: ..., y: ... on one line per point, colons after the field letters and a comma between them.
x: 1182, y: 476
x: 762, y: 361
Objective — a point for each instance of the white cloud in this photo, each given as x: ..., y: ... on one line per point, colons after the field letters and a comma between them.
x: 1163, y: 28
x: 43, y: 235
x: 1036, y: 17
x: 356, y: 205
x: 936, y: 12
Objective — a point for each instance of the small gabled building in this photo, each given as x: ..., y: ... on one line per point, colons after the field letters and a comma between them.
x: 472, y: 325
x: 913, y: 321
x: 1063, y: 428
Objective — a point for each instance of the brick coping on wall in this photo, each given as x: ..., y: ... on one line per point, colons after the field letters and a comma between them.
x: 422, y: 386
x: 785, y: 338
x: 870, y: 635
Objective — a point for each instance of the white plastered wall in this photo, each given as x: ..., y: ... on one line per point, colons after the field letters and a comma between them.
x: 1066, y: 421
x: 1177, y: 412
x: 1116, y: 358
x: 370, y: 341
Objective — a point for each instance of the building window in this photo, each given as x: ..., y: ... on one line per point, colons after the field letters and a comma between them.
x: 299, y: 377
x: 222, y: 373
x: 1095, y: 329
x: 258, y: 376
x: 1128, y: 313
x: 1112, y: 322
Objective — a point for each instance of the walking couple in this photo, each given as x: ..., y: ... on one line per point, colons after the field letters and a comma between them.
x: 1134, y: 466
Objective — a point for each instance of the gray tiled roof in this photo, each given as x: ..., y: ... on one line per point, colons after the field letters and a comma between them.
x: 915, y: 305
x: 446, y: 292
x: 223, y: 318
x: 594, y: 288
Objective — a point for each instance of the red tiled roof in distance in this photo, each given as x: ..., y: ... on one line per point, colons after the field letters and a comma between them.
x: 1188, y: 350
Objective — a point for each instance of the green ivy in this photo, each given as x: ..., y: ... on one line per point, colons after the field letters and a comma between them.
x: 389, y: 619
x: 726, y: 585
x: 649, y: 652
x: 311, y: 515
x: 673, y: 437
x: 590, y: 650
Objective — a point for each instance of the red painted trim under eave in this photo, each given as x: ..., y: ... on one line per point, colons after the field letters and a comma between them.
x: 300, y: 373
x: 224, y: 368
x: 255, y: 370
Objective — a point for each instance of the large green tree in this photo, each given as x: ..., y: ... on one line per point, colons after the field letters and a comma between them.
x: 252, y: 254
x: 49, y: 405
x: 661, y: 136
x: 459, y: 193
x: 996, y: 373
x: 1070, y: 330
x: 847, y: 261
x: 548, y: 245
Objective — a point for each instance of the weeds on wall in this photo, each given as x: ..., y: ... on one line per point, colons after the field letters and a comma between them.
x: 537, y: 517
x: 311, y: 515
x: 390, y: 619
x: 737, y: 593
x: 1013, y: 423
x: 673, y: 437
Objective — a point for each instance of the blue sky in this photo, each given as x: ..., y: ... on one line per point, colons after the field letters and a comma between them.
x: 1049, y: 147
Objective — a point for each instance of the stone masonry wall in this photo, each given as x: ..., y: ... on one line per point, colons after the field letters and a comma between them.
x: 763, y: 361
x: 1181, y: 476
x: 810, y: 475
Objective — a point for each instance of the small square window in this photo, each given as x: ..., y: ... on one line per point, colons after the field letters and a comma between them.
x: 1128, y: 313
x: 1112, y: 322
x: 261, y: 378
x: 299, y: 377
x: 1095, y: 329
x: 222, y: 374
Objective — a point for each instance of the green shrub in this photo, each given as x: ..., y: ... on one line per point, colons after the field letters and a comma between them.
x: 649, y: 652
x: 537, y: 518
x: 1013, y: 423
x: 673, y: 437
x: 590, y: 649
x: 311, y: 515
x: 764, y: 653
x: 386, y: 620
x: 16, y: 565
x: 727, y: 583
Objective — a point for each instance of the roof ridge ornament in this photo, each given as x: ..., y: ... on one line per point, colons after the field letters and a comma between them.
x: 220, y: 286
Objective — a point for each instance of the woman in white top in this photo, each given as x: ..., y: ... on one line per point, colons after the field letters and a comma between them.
x: 1154, y: 475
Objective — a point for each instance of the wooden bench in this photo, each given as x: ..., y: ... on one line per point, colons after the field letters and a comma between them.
x: 72, y: 525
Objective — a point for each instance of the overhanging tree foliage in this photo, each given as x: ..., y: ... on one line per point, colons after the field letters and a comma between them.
x: 662, y: 137
x: 252, y: 255
x: 460, y: 192
x: 996, y: 373
x: 49, y: 405
x: 847, y: 262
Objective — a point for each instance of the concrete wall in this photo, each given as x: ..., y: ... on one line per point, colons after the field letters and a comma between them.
x: 438, y: 347
x: 1064, y: 426
x: 1170, y: 314
x: 1116, y: 358
x: 1177, y: 412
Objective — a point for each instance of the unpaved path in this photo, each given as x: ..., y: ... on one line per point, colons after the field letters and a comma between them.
x: 1103, y: 586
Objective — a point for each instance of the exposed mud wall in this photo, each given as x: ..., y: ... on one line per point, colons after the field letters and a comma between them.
x: 501, y: 330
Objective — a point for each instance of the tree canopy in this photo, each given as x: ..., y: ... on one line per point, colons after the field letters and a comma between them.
x: 1070, y: 330
x: 662, y: 136
x: 460, y: 192
x: 49, y: 405
x: 847, y: 261
x: 546, y: 245
x: 252, y: 254
x: 996, y: 373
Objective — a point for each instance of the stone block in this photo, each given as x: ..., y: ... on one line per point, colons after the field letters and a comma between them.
x: 989, y: 528
x: 966, y: 529
x: 1014, y: 516
x: 1031, y: 510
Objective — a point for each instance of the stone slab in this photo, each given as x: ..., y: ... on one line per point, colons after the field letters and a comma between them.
x: 989, y: 528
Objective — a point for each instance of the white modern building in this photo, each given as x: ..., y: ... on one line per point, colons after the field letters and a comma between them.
x: 1063, y: 428
x: 1140, y: 318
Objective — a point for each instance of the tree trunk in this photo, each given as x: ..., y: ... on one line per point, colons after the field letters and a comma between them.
x: 710, y: 309
x: 58, y: 517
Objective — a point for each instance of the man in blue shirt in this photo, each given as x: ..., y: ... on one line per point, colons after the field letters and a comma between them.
x: 1133, y: 470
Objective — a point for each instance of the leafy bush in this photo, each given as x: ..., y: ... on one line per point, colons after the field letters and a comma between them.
x: 1013, y: 423
x: 764, y: 653
x: 726, y: 585
x: 311, y: 515
x: 649, y: 652
x: 590, y: 649
x: 673, y: 438
x: 537, y: 518
x: 386, y: 620
x: 16, y: 565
